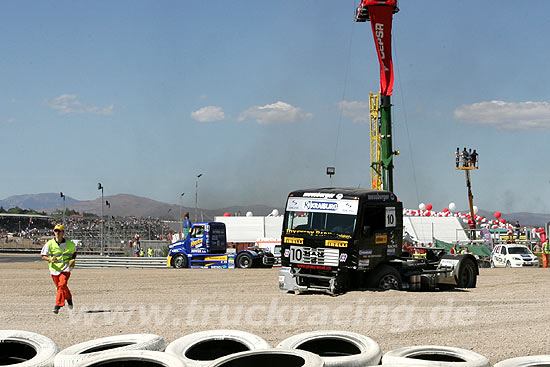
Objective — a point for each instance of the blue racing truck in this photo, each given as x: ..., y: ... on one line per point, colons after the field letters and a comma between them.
x: 206, y: 247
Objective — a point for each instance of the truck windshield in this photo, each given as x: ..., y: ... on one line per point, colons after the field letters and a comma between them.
x: 324, y: 222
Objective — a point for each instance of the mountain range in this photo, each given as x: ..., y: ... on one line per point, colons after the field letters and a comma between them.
x: 126, y: 205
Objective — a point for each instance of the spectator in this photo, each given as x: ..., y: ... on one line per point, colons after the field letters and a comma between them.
x: 473, y: 158
x: 465, y: 158
x: 186, y: 225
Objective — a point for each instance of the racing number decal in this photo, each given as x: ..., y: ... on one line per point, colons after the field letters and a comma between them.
x: 390, y: 217
x: 317, y: 256
x: 296, y: 254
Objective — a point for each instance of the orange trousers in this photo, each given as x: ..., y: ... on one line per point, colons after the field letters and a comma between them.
x: 545, y: 258
x: 63, y: 292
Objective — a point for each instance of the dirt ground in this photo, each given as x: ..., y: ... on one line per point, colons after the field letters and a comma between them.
x: 506, y: 316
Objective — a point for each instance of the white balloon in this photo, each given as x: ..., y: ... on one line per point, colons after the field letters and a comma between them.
x: 275, y: 213
x: 476, y: 209
x: 249, y: 214
x: 452, y: 206
x: 422, y: 206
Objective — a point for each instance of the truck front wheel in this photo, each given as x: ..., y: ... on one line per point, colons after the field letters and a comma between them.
x: 244, y: 261
x: 180, y: 261
x: 384, y: 277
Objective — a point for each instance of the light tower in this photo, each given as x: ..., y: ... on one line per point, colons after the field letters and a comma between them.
x: 197, y: 194
x: 100, y: 187
x: 63, y: 197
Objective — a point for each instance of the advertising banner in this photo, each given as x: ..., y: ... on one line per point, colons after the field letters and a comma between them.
x: 381, y: 22
x: 321, y: 205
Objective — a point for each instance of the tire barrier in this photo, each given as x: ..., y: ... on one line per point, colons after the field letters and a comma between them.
x: 434, y: 355
x: 336, y: 348
x: 120, y: 262
x: 25, y: 349
x: 270, y: 358
x: 530, y: 361
x: 199, y: 349
x: 72, y: 355
x: 141, y: 358
x: 234, y: 348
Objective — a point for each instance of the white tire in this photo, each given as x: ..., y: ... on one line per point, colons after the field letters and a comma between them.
x: 434, y: 355
x: 529, y: 361
x: 144, y: 357
x: 74, y: 354
x: 199, y: 349
x: 336, y: 348
x: 270, y: 357
x: 25, y: 349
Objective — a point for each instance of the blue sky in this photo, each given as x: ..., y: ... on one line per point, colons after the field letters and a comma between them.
x: 143, y: 96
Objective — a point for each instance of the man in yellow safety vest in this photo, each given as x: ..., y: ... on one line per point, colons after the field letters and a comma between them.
x: 60, y: 255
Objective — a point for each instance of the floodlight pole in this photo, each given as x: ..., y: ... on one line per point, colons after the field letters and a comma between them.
x: 197, y: 194
x: 100, y: 187
x: 63, y: 197
x: 181, y: 206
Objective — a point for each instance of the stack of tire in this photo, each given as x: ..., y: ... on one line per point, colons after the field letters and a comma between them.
x: 232, y: 348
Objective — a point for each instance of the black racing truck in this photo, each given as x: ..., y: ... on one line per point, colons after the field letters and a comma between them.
x: 337, y: 239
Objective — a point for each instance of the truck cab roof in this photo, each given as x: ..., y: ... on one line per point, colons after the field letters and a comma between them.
x: 345, y: 193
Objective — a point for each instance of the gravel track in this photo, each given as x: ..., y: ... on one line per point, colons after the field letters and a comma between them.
x: 505, y: 316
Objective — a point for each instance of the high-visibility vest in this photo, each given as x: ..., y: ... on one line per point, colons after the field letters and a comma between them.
x: 141, y: 252
x: 150, y: 251
x: 63, y: 256
x: 546, y: 248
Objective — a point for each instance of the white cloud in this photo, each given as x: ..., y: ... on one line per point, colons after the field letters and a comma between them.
x: 208, y: 114
x: 506, y: 115
x: 278, y: 112
x: 68, y: 103
x: 358, y: 111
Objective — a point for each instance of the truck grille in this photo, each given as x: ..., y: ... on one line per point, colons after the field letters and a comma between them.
x: 314, y: 256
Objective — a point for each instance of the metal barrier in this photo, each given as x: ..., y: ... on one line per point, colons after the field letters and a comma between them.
x: 120, y: 262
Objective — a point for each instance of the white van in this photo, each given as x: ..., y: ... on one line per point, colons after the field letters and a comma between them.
x: 513, y: 256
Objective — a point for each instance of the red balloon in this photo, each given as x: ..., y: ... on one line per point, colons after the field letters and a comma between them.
x: 429, y: 206
x: 498, y: 215
x: 428, y: 214
x: 502, y: 220
x: 446, y: 210
x: 226, y: 214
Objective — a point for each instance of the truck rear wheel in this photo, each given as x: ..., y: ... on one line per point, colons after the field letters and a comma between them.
x: 384, y: 277
x: 244, y: 261
x: 467, y: 277
x: 180, y: 261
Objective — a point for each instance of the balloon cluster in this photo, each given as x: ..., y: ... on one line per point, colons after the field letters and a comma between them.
x: 425, y: 210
